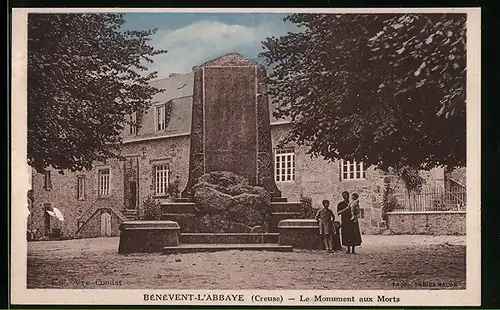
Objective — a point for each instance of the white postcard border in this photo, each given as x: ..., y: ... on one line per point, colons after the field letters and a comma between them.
x: 20, y: 172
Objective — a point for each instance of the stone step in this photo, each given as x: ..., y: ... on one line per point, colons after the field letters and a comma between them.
x: 286, y: 207
x: 177, y: 207
x: 129, y: 211
x: 228, y: 238
x: 165, y: 216
x: 195, y: 248
x: 130, y: 214
x: 286, y: 213
x: 279, y: 199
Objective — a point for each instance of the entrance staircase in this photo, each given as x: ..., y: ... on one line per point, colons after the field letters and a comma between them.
x: 130, y: 214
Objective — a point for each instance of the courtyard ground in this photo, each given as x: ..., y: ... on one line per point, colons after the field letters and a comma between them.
x: 382, y: 262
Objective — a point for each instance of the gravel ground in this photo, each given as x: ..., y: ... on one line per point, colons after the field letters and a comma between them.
x: 382, y: 262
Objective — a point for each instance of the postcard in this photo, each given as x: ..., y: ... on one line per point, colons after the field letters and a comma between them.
x: 295, y: 157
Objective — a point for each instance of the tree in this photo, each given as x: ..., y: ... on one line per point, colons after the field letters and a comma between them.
x: 386, y: 89
x: 85, y: 76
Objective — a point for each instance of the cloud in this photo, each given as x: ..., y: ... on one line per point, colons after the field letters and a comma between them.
x: 207, y: 39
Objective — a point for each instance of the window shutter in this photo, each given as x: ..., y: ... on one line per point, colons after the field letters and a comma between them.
x: 153, y: 179
x: 168, y: 178
x: 139, y: 115
x: 155, y: 120
x: 79, y: 180
x: 44, y: 180
x: 340, y: 170
x: 169, y: 175
x: 110, y: 176
x: 168, y: 112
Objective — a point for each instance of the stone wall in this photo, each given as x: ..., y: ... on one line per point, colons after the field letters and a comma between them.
x: 172, y: 151
x: 427, y: 223
x: 63, y: 195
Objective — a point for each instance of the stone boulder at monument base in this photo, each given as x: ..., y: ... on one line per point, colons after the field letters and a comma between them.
x: 225, y: 202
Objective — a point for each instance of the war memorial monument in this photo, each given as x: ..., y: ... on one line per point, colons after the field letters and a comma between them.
x: 231, y: 200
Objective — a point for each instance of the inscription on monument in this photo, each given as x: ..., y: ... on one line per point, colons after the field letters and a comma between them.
x: 230, y: 126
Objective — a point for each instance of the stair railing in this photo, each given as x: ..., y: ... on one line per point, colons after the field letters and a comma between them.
x: 457, y: 193
x: 89, y: 208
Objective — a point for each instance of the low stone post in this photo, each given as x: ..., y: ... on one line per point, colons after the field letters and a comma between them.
x: 147, y: 236
x: 300, y: 234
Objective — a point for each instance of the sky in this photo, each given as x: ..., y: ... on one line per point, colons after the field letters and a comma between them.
x: 194, y: 38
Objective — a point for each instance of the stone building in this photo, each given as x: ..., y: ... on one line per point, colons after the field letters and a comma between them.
x: 156, y: 154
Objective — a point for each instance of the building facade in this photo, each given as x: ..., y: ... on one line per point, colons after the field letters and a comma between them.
x: 156, y: 162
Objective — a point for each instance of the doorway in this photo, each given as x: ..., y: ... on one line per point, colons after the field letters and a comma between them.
x: 105, y: 224
x: 131, y: 183
x: 133, y: 195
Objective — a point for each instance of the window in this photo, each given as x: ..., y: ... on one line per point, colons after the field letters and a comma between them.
x: 81, y: 187
x: 47, y: 182
x: 103, y: 182
x: 160, y: 118
x: 161, y: 179
x: 285, y: 165
x: 133, y: 124
x: 352, y: 170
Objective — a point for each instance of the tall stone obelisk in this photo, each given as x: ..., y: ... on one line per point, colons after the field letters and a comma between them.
x: 230, y: 128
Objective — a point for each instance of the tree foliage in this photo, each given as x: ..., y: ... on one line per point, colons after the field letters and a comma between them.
x: 307, y: 209
x: 386, y: 89
x: 150, y: 209
x: 85, y: 75
x: 412, y: 178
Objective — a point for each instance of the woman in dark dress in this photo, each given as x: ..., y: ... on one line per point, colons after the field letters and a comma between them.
x: 351, y: 236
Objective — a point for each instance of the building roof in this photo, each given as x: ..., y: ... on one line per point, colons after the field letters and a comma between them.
x: 174, y: 86
x: 178, y: 89
x: 181, y: 85
x: 180, y: 118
